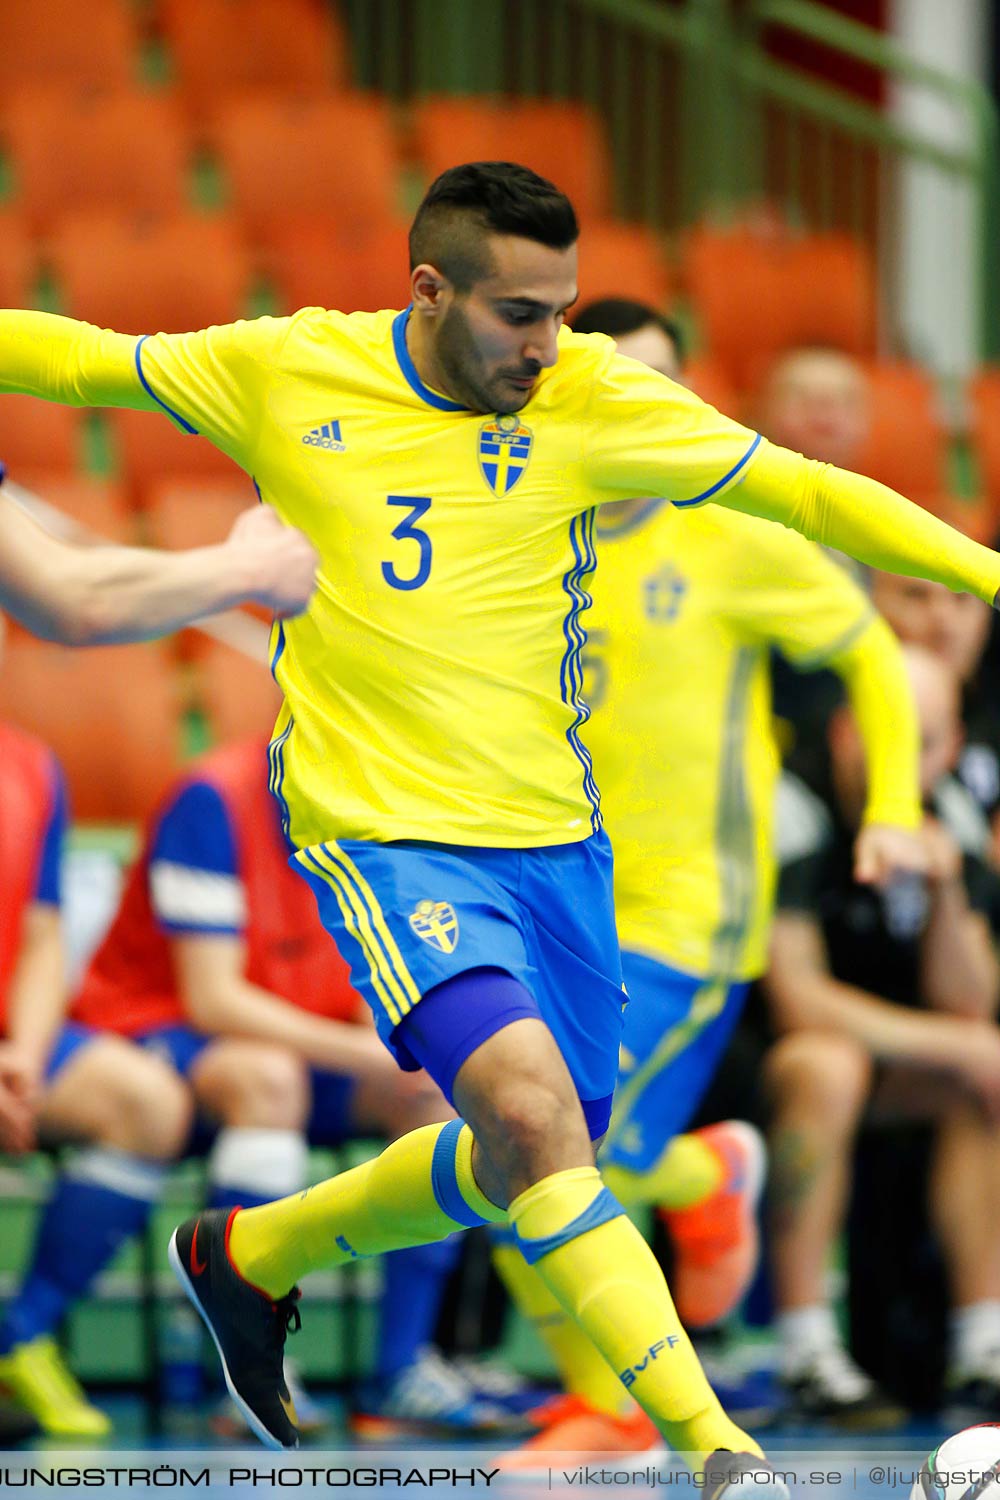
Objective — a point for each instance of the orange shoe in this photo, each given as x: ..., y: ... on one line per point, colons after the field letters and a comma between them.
x: 572, y: 1425
x: 717, y: 1242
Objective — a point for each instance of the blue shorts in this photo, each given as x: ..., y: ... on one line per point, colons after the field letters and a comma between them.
x: 676, y: 1030
x: 329, y: 1122
x: 409, y: 916
x: 68, y: 1042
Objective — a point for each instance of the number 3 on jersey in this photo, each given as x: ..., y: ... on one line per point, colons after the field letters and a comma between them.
x: 406, y: 531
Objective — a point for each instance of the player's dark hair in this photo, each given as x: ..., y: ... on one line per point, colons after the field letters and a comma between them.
x: 466, y: 203
x: 620, y: 316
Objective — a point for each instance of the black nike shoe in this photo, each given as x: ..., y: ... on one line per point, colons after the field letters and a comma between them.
x: 731, y: 1476
x: 247, y: 1326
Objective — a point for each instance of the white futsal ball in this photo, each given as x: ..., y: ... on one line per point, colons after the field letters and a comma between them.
x: 963, y: 1467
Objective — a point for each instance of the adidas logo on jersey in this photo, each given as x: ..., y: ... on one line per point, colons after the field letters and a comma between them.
x: 327, y: 436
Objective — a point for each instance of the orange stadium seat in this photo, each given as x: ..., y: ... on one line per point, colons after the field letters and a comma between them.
x: 760, y: 291
x: 196, y: 512
x: 907, y: 445
x: 314, y: 263
x: 290, y: 157
x: 295, y: 46
x: 984, y: 397
x: 564, y: 142
x: 831, y: 284
x: 40, y: 434
x: 17, y: 262
x: 708, y: 379
x: 622, y: 260
x: 734, y: 279
x: 146, y: 275
x: 66, y: 42
x: 239, y: 696
x: 151, y: 448
x: 98, y: 504
x: 111, y: 716
x: 121, y: 151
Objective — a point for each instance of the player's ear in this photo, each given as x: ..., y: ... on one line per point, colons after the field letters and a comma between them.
x: 428, y: 288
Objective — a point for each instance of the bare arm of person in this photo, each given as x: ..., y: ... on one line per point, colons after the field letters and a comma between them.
x: 804, y: 995
x: 219, y: 1000
x: 88, y: 596
x: 961, y: 973
x: 36, y: 1006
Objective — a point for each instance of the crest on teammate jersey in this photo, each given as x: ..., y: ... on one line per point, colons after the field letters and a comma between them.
x: 504, y: 451
x: 437, y: 924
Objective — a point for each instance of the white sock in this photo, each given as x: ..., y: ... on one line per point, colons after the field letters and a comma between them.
x: 805, y: 1331
x: 107, y: 1167
x: 975, y: 1334
x: 264, y: 1163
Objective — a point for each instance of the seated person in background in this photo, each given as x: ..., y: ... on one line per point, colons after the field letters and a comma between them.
x: 127, y: 1109
x: 885, y: 1002
x: 814, y: 400
x: 217, y: 964
x: 686, y: 608
x: 957, y: 628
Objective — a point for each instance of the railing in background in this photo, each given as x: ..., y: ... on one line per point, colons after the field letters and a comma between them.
x: 701, y: 119
x: 834, y: 161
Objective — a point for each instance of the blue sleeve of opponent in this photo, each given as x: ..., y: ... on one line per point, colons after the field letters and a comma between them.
x: 48, y: 886
x: 196, y: 831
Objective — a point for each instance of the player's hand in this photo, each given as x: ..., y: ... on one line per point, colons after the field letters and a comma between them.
x: 883, y: 851
x: 944, y: 856
x: 278, y: 561
x: 19, y: 1088
x: 971, y: 1050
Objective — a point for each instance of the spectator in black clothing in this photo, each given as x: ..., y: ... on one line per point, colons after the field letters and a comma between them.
x: 884, y: 1002
x: 955, y: 627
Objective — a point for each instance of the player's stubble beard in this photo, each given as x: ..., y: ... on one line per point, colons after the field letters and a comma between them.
x: 466, y: 372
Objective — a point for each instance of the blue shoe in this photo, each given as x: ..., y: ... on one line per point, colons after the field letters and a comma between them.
x: 498, y: 1383
x: 429, y: 1398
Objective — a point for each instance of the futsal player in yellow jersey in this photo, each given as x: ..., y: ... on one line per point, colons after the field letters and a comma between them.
x: 446, y: 461
x: 686, y: 609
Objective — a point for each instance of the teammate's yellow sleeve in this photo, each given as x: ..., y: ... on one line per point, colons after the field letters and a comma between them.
x: 63, y: 360
x: 874, y: 673
x: 863, y: 518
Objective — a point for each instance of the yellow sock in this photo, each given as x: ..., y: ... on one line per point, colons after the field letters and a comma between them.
x: 596, y: 1263
x: 420, y: 1189
x: 688, y: 1172
x: 582, y: 1368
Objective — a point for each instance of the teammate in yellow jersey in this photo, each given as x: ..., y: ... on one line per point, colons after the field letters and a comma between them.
x: 90, y: 596
x: 447, y: 461
x: 686, y: 610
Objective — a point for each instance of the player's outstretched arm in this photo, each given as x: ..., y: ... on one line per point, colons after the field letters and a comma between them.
x: 88, y: 596
x: 863, y: 518
x: 874, y: 673
x: 77, y: 364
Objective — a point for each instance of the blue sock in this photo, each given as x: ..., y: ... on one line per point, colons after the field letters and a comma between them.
x: 220, y: 1195
x: 103, y: 1199
x: 414, y: 1284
